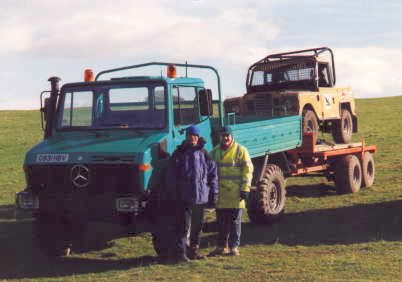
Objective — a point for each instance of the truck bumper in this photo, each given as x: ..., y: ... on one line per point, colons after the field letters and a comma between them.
x: 118, y: 217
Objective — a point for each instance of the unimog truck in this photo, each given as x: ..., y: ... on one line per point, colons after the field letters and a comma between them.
x: 97, y: 174
x: 299, y: 82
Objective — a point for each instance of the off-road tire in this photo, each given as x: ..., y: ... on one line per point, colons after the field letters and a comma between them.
x: 368, y: 169
x: 348, y: 175
x: 310, y: 122
x: 50, y: 236
x: 342, y: 129
x: 266, y: 204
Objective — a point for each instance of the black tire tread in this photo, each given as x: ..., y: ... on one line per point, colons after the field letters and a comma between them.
x: 367, y: 179
x: 258, y: 206
x: 344, y: 175
x: 337, y: 132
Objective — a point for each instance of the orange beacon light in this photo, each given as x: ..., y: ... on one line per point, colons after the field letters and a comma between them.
x: 171, y: 71
x: 88, y: 75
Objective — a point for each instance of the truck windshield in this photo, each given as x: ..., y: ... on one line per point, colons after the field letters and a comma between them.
x: 112, y: 106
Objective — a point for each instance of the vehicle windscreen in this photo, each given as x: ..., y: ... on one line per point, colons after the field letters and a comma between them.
x: 112, y: 106
x: 282, y: 75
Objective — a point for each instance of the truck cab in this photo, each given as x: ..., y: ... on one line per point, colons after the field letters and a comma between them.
x: 103, y: 143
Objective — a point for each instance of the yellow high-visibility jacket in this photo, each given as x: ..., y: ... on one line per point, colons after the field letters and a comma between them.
x: 235, y: 172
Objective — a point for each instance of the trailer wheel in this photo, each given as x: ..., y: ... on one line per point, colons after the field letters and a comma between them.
x: 342, y: 129
x: 368, y: 169
x: 266, y: 204
x: 348, y: 175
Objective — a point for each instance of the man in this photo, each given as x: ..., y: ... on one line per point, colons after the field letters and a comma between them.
x: 194, y: 175
x: 235, y: 171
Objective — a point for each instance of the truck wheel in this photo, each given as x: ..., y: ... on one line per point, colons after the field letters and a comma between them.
x: 342, y: 129
x: 368, y: 169
x: 163, y: 236
x: 50, y: 237
x: 266, y: 204
x: 348, y: 175
x: 310, y: 122
x: 160, y: 249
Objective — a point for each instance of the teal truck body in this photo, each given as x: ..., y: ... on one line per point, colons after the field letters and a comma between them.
x: 105, y: 140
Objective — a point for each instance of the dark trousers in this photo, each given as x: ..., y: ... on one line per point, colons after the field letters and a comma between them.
x: 188, y: 218
x: 229, y: 227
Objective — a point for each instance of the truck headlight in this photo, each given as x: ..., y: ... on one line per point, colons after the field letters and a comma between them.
x: 27, y: 201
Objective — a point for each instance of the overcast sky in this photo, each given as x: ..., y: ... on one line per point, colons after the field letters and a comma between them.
x: 42, y: 38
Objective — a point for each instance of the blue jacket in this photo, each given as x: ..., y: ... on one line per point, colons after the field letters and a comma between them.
x: 192, y: 174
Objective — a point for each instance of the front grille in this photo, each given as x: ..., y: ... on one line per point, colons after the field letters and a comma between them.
x: 103, y: 178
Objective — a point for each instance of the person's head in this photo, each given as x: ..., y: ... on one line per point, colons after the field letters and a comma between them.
x: 226, y: 136
x: 193, y: 135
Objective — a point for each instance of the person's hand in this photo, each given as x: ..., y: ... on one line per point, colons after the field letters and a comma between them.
x: 244, y: 195
x: 213, y: 200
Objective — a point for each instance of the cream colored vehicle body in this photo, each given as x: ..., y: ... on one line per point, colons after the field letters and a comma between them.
x: 327, y: 102
x: 299, y: 83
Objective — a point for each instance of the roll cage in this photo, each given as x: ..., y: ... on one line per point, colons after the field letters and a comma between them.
x: 303, y: 68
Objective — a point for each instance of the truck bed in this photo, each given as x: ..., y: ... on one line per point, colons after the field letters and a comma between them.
x: 269, y: 135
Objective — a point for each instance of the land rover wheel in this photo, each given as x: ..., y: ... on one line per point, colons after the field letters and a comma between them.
x: 266, y: 204
x: 368, y: 169
x: 348, y: 175
x: 50, y: 237
x: 342, y: 129
x: 310, y: 122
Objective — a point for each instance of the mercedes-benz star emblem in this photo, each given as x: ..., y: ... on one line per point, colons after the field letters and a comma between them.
x: 80, y: 176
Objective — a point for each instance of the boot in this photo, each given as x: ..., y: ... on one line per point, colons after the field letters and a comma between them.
x: 234, y: 252
x: 219, y: 251
x: 182, y: 258
x: 194, y: 253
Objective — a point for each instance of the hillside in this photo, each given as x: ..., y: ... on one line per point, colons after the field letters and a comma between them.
x: 324, y: 236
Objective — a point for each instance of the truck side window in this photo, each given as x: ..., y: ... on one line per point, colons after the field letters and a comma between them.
x: 185, y: 105
x: 77, y: 109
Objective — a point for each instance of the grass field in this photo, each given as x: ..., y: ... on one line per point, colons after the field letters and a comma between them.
x: 323, y: 236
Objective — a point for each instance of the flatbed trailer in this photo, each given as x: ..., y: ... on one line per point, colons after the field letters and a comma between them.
x: 350, y: 166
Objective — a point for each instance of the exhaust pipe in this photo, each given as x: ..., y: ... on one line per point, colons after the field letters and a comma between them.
x: 51, y: 110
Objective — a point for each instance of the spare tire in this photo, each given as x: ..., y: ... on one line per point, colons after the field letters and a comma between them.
x: 266, y: 204
x: 348, y: 175
x: 368, y: 169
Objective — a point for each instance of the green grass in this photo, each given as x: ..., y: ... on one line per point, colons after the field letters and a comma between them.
x: 323, y: 236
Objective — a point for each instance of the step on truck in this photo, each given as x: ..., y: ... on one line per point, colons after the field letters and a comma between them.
x: 96, y: 175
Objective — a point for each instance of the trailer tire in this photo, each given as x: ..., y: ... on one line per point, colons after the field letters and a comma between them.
x: 348, y: 175
x: 368, y: 169
x: 342, y: 129
x: 266, y: 204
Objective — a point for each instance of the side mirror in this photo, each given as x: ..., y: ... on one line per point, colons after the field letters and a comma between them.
x: 205, y: 99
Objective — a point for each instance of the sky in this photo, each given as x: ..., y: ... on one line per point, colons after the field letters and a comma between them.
x: 44, y: 38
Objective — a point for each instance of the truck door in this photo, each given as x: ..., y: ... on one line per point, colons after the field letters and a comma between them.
x: 327, y: 93
x: 186, y: 112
